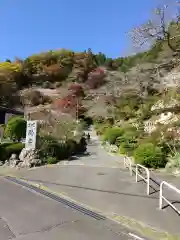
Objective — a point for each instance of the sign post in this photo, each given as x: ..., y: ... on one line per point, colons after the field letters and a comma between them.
x: 31, y: 131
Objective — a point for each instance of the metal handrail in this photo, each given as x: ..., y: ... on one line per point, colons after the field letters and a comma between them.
x: 128, y: 164
x: 147, y: 180
x: 161, y: 197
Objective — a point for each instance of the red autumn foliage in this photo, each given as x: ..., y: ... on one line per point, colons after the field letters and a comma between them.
x: 77, y: 90
x: 71, y: 105
x: 65, y: 102
x: 96, y: 78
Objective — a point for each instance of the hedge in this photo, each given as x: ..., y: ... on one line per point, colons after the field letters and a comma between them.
x: 7, y: 149
x: 150, y: 156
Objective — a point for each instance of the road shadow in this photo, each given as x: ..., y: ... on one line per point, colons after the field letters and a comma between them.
x: 78, y: 156
x: 154, y: 182
x: 153, y: 189
x: 174, y: 209
x: 92, y: 189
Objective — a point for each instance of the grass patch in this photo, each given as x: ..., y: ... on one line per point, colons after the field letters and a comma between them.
x: 145, y: 230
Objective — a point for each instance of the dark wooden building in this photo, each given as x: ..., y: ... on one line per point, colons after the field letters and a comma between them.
x: 6, y: 113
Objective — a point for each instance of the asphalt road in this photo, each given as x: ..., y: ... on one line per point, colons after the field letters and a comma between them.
x: 25, y: 215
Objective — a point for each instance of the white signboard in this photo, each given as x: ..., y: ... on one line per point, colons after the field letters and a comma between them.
x: 31, y: 131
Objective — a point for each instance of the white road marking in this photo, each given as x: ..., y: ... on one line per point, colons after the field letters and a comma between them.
x: 135, y: 236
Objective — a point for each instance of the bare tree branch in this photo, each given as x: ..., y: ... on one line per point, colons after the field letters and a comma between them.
x: 157, y: 29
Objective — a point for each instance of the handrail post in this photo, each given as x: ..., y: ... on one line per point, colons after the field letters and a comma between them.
x: 147, y: 180
x: 131, y: 172
x: 124, y: 161
x: 148, y: 183
x: 160, y: 195
x: 136, y: 173
x: 127, y: 163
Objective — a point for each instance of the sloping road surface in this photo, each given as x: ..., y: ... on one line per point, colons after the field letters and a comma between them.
x: 26, y: 215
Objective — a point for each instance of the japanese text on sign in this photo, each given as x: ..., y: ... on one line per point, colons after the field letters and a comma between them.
x: 31, y: 135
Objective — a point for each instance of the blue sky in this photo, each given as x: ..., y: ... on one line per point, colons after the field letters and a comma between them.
x: 33, y: 26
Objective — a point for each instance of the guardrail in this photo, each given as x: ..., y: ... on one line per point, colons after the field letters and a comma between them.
x: 147, y: 179
x: 161, y: 197
x: 128, y: 164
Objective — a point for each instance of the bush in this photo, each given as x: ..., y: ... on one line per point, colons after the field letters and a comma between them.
x: 68, y: 105
x: 13, y: 148
x: 2, y: 153
x: 82, y: 145
x: 87, y: 121
x: 35, y: 98
x: 127, y: 142
x: 96, y: 78
x: 77, y: 90
x: 173, y: 162
x: 55, y: 149
x: 99, y: 120
x: 150, y: 156
x: 72, y: 146
x: 15, y: 128
x: 111, y: 134
x: 51, y: 160
x: 46, y: 84
x: 125, y: 137
x: 128, y: 147
x: 101, y: 128
x: 5, y: 144
x: 50, y: 146
x: 122, y: 150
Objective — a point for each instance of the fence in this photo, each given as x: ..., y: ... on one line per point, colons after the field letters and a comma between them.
x: 161, y: 197
x: 147, y: 179
x: 128, y: 164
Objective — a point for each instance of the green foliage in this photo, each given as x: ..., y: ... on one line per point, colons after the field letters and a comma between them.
x: 8, y: 66
x: 128, y: 62
x: 51, y: 160
x: 86, y: 121
x: 14, y: 148
x: 133, y: 100
x: 123, y: 138
x: 174, y: 161
x: 51, y: 147
x: 111, y: 134
x: 72, y: 147
x: 55, y: 149
x: 122, y: 149
x: 176, y: 124
x: 128, y: 104
x: 46, y: 84
x: 82, y: 146
x: 98, y: 120
x: 2, y: 153
x: 150, y: 156
x: 50, y: 68
x: 15, y: 128
x: 5, y: 144
x: 7, y: 149
x: 101, y: 128
x: 100, y: 59
x: 127, y: 142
